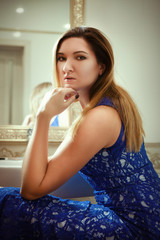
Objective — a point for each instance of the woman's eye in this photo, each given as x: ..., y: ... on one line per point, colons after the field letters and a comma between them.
x: 60, y: 59
x: 81, y: 57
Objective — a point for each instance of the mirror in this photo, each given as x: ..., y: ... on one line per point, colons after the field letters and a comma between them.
x: 21, y: 37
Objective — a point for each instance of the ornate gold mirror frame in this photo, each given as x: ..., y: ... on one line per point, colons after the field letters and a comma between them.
x: 14, y: 138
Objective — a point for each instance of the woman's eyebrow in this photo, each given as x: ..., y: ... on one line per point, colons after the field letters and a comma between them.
x: 60, y: 53
x: 77, y: 52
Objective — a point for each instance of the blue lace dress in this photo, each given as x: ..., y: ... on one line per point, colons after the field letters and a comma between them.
x: 127, y: 191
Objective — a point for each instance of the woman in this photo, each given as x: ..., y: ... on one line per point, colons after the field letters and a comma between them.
x: 106, y: 146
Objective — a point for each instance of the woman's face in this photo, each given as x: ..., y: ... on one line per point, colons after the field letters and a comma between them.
x: 77, y: 65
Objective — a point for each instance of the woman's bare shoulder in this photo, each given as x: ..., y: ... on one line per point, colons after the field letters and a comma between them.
x: 105, y: 123
x: 104, y: 115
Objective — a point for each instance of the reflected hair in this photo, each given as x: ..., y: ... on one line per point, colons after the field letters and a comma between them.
x: 36, y: 97
x: 105, y: 86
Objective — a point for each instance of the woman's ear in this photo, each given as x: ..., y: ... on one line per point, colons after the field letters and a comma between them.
x: 102, y: 68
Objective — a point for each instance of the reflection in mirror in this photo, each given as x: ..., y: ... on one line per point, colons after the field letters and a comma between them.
x: 11, y: 60
x: 37, y: 95
x: 27, y: 37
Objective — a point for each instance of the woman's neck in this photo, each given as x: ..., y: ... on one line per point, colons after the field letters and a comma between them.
x: 83, y: 99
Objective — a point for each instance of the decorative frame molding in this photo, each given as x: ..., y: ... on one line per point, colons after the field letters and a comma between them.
x: 77, y: 12
x: 153, y: 152
x: 16, y: 133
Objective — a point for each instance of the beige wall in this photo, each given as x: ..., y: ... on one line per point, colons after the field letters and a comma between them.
x: 133, y: 29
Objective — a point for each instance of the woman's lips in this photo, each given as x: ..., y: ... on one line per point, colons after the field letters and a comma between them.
x: 69, y: 80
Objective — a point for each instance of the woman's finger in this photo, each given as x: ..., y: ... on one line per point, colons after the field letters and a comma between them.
x: 70, y: 100
x: 67, y: 93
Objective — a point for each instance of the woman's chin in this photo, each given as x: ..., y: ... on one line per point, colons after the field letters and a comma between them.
x: 70, y: 86
x: 67, y: 85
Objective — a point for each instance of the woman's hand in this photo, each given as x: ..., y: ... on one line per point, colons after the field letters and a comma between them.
x: 56, y: 101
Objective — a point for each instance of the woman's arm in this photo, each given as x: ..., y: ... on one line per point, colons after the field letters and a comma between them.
x: 100, y: 128
x: 36, y: 156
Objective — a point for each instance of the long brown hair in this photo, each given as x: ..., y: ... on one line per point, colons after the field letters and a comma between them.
x: 105, y: 86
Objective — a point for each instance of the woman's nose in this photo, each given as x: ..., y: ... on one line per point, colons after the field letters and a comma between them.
x: 67, y: 67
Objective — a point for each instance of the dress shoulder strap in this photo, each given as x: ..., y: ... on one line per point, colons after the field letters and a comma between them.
x: 106, y: 101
